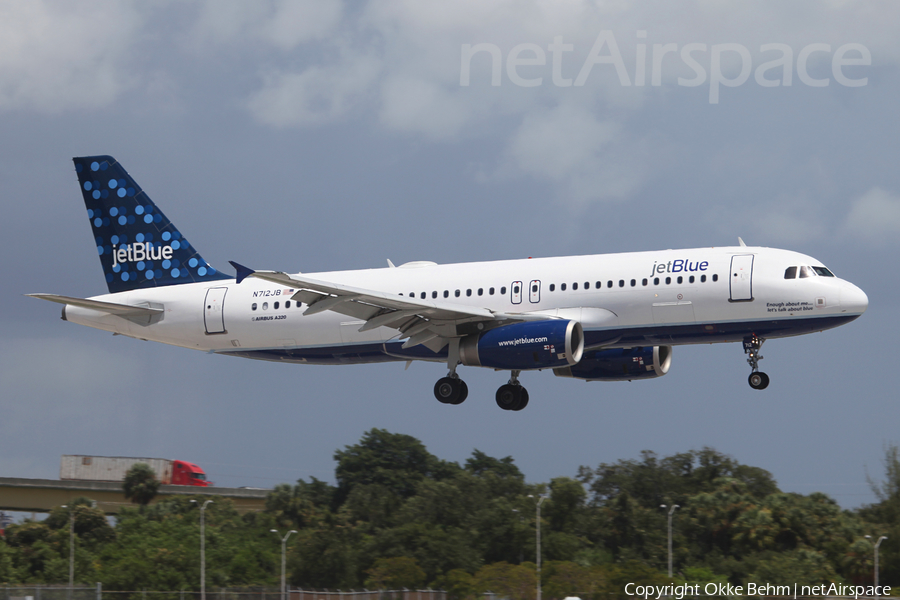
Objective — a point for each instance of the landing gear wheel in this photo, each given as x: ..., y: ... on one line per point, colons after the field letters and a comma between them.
x: 512, y: 397
x: 448, y: 390
x: 758, y: 380
x: 523, y: 401
x: 463, y: 392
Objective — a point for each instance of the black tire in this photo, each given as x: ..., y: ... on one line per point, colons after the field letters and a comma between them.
x: 463, y: 392
x: 507, y: 396
x: 523, y: 400
x: 758, y: 380
x: 447, y: 390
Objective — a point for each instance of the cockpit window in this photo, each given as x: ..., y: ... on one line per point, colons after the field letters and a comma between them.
x: 790, y: 273
x: 806, y: 272
x: 823, y: 272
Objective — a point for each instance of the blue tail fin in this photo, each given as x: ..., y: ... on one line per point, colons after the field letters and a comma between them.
x: 138, y: 246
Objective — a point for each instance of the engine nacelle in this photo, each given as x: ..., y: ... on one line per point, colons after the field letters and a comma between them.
x: 524, y: 346
x: 620, y: 364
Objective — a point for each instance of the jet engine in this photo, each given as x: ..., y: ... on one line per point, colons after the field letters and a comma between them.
x: 524, y: 346
x: 620, y: 364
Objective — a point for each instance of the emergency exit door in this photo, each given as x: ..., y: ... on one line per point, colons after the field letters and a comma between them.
x: 741, y: 278
x: 213, y: 310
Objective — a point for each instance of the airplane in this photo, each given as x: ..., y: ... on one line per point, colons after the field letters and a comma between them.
x: 606, y: 317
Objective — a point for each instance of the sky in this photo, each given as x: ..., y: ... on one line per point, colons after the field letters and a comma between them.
x: 314, y: 136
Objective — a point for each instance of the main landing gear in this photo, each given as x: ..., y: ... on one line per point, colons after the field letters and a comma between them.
x: 758, y: 380
x: 451, y: 389
x: 512, y: 396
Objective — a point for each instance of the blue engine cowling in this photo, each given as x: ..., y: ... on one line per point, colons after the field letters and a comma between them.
x: 524, y: 346
x: 620, y: 364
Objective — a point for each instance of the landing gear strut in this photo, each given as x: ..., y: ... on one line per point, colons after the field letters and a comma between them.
x: 451, y: 389
x: 758, y: 380
x: 512, y: 396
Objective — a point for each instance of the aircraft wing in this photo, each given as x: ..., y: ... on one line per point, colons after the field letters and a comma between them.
x: 429, y: 322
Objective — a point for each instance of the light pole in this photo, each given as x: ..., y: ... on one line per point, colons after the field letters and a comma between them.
x: 540, y: 500
x: 283, y: 546
x: 202, y: 548
x: 878, y: 543
x: 71, y: 545
x: 671, y: 511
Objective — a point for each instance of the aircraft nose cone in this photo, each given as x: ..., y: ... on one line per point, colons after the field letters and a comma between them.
x: 853, y: 299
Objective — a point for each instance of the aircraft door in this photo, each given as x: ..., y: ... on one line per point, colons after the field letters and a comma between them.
x: 213, y: 310
x: 534, y: 291
x: 741, y: 278
x: 515, y: 291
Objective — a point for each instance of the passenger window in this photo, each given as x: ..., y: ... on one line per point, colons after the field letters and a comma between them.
x: 265, y: 306
x: 644, y: 282
x: 412, y: 294
x: 691, y: 279
x: 609, y: 283
x: 468, y: 292
x: 598, y: 285
x: 562, y: 287
x: 587, y: 285
x: 515, y: 289
x: 703, y: 279
x: 446, y: 294
x: 656, y: 281
x: 253, y: 306
x: 633, y: 283
x: 287, y: 304
x: 481, y: 291
x: 715, y: 276
x: 503, y: 290
x: 456, y: 293
x: 534, y: 289
x: 423, y: 295
x: 668, y: 280
x: 434, y: 294
x: 552, y: 287
x: 680, y: 279
x: 491, y: 291
x: 805, y: 272
x: 790, y: 273
x: 275, y: 306
x: 621, y: 283
x: 575, y: 286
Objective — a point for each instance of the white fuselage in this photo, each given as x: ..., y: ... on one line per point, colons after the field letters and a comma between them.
x: 621, y: 300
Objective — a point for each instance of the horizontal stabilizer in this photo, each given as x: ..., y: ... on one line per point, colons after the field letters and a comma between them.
x: 120, y: 310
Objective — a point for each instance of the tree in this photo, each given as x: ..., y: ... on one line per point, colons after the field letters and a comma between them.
x: 395, y: 574
x: 140, y: 485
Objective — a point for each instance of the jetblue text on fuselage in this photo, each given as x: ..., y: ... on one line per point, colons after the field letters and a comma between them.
x: 140, y: 251
x: 678, y: 265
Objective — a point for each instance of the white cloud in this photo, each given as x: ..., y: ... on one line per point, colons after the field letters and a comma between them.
x: 314, y: 96
x: 874, y: 217
x: 282, y: 23
x: 571, y: 147
x: 56, y: 56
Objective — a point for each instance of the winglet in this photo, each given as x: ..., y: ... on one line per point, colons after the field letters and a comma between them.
x: 242, y: 271
x: 741, y: 242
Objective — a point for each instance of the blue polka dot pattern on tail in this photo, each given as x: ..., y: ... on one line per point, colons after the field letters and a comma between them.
x: 139, y: 235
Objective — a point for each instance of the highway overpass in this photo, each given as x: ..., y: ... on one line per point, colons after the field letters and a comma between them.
x: 40, y: 495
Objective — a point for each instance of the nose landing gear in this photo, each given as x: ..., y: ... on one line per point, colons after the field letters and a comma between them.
x: 512, y: 396
x: 757, y: 380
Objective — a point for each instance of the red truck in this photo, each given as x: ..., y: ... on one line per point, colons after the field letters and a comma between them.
x: 114, y: 468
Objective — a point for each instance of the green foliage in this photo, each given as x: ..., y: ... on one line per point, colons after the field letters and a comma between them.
x: 395, y: 573
x: 516, y: 582
x: 140, y: 484
x: 401, y: 517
